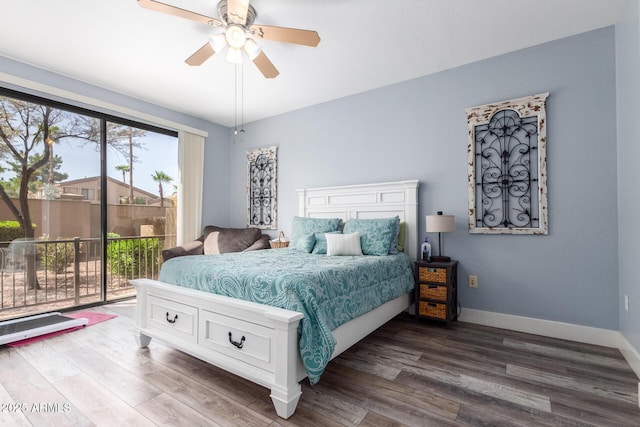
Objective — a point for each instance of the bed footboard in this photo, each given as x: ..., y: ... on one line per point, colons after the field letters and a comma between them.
x: 254, y: 341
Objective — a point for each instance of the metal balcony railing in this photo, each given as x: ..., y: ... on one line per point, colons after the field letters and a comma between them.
x: 42, y: 275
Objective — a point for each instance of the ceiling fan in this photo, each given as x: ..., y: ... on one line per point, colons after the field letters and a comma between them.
x: 238, y: 33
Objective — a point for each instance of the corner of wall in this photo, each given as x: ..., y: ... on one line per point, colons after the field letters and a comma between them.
x: 630, y: 354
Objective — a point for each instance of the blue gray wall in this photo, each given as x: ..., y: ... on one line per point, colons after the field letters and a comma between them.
x: 417, y: 129
x: 628, y: 82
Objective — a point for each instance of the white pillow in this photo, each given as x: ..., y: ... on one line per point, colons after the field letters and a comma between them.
x: 343, y: 244
x: 211, y: 244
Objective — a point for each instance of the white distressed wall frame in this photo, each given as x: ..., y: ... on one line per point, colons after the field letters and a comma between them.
x: 508, y: 166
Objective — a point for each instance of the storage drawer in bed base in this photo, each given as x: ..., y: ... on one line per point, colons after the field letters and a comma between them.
x: 238, y: 339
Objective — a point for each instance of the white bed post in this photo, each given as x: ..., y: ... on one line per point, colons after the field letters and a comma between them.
x: 286, y: 390
x: 141, y: 301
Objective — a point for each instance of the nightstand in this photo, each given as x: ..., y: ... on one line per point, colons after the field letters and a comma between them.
x: 436, y: 291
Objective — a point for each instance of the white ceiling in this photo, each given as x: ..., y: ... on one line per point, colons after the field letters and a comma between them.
x: 364, y: 44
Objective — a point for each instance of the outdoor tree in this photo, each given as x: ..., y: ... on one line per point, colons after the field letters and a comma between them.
x: 124, y: 169
x: 161, y: 177
x: 24, y: 129
x: 50, y: 172
x: 122, y: 139
x: 39, y: 178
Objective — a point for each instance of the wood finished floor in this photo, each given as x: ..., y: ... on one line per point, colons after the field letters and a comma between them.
x: 403, y: 374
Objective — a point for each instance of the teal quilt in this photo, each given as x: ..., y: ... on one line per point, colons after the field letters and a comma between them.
x: 329, y: 291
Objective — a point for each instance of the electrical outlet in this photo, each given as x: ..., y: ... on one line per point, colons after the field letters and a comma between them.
x: 473, y: 281
x: 626, y: 303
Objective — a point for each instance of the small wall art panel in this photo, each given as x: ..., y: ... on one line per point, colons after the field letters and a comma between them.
x: 508, y: 166
x: 261, y: 188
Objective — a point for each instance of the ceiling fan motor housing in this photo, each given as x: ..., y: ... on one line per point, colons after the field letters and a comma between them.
x: 223, y: 13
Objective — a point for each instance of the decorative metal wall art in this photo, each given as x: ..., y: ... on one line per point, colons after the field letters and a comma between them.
x: 508, y: 166
x: 261, y: 188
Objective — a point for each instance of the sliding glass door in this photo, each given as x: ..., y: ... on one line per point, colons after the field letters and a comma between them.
x: 141, y: 203
x: 87, y: 202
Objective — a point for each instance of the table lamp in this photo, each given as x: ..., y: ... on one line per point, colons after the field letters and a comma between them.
x: 440, y: 224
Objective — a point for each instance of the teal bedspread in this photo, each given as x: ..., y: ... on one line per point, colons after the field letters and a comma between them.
x: 329, y: 291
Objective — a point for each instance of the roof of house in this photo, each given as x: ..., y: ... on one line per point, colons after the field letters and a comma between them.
x: 111, y: 180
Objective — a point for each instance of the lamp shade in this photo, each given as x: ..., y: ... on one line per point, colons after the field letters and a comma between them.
x: 252, y: 48
x: 218, y: 42
x: 236, y: 36
x: 234, y: 55
x: 440, y: 223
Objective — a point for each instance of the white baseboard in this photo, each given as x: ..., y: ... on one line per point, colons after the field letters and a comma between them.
x: 547, y: 328
x: 630, y: 354
x: 632, y: 357
x: 553, y: 329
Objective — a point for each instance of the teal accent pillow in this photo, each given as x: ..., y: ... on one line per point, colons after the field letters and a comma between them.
x: 306, y: 243
x: 376, y: 234
x: 393, y: 247
x: 302, y: 225
x: 321, y: 242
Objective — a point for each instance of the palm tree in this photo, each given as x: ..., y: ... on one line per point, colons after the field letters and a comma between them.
x: 124, y: 169
x: 161, y: 177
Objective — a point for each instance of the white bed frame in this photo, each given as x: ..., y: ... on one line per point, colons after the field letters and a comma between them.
x: 259, y: 342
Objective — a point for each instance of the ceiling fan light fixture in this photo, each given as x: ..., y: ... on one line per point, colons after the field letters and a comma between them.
x: 218, y: 42
x: 236, y: 36
x: 234, y: 55
x: 252, y: 48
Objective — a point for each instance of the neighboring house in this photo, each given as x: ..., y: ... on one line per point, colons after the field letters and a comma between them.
x: 117, y: 192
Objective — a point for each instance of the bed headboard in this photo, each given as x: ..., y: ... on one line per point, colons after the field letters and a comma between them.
x: 383, y: 200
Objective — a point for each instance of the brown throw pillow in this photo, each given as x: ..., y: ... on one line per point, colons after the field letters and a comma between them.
x: 232, y: 239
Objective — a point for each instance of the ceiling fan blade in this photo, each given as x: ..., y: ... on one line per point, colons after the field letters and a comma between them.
x: 286, y: 35
x: 201, y: 55
x: 265, y: 66
x: 237, y: 11
x: 176, y: 11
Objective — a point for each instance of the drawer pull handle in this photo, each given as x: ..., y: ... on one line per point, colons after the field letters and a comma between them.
x: 432, y: 269
x: 236, y: 343
x: 171, y: 320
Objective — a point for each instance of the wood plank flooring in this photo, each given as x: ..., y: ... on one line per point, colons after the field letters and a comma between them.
x: 403, y: 374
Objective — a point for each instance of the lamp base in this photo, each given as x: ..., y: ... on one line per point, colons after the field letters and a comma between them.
x: 440, y: 258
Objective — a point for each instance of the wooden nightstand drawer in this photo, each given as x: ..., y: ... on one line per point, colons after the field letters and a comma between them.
x: 432, y: 274
x: 433, y: 309
x: 435, y: 292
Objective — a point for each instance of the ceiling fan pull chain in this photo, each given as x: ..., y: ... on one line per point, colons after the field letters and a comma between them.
x: 235, y: 99
x: 242, y: 98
